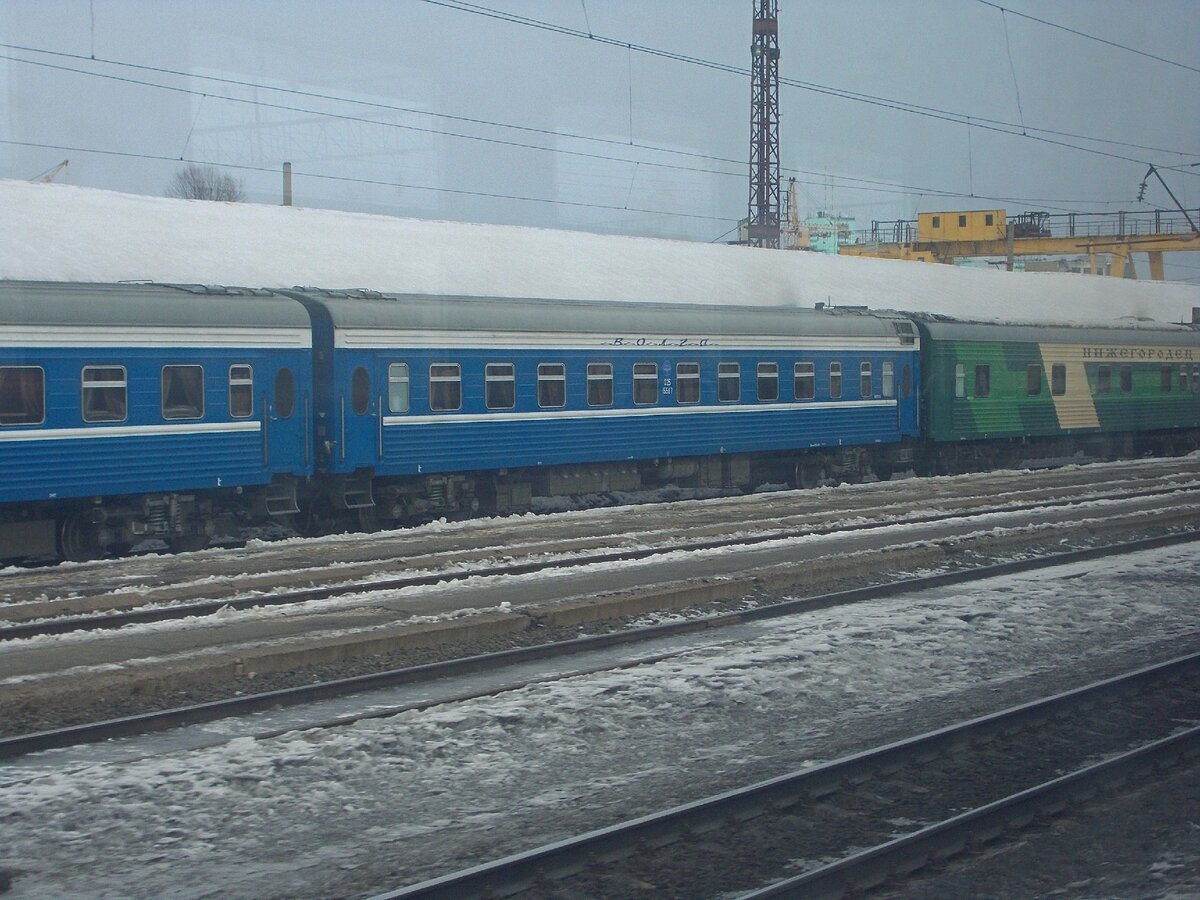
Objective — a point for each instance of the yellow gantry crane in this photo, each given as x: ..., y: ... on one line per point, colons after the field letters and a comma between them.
x: 946, y: 236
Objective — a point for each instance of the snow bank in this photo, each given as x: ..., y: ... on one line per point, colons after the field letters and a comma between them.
x: 65, y: 233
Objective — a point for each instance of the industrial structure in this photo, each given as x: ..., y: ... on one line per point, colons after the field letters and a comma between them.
x: 945, y: 237
x: 763, y: 221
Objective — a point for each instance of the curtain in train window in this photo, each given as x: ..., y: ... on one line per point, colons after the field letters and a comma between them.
x: 104, y: 394
x: 22, y: 395
x: 182, y: 392
x: 241, y: 391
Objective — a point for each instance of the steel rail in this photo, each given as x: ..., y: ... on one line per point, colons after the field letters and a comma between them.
x: 514, y: 874
x: 111, y: 621
x: 20, y: 745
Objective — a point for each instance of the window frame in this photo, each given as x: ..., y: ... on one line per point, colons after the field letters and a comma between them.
x: 983, y: 380
x: 395, y: 377
x: 447, y: 379
x: 865, y: 379
x: 1127, y: 378
x: 767, y: 372
x: 163, y: 388
x: 960, y: 381
x: 241, y: 382
x: 596, y: 378
x: 1166, y: 378
x: 729, y: 372
x: 1058, y: 379
x: 41, y: 371
x: 360, y: 391
x: 491, y: 377
x: 887, y: 379
x: 284, y: 378
x: 691, y: 379
x: 1104, y: 379
x: 1033, y: 380
x: 85, y: 386
x: 548, y: 380
x: 640, y: 379
x: 835, y: 378
x: 801, y: 378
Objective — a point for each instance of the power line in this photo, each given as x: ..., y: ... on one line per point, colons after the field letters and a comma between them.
x: 875, y: 185
x: 1091, y: 37
x: 997, y: 125
x: 369, y: 181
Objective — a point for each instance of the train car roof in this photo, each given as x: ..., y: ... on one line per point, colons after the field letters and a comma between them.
x: 204, y: 306
x: 370, y: 309
x: 1122, y: 333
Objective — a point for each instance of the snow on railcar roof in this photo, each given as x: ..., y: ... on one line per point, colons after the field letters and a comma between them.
x: 64, y: 233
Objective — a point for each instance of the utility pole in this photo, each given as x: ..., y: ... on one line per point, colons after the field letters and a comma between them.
x: 762, y: 224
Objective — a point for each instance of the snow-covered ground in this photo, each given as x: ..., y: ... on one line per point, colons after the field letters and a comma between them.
x: 401, y: 798
x: 64, y: 233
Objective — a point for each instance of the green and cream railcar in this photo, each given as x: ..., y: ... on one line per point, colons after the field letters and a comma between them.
x: 999, y: 394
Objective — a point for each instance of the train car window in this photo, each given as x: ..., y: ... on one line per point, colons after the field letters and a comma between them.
x: 241, y: 391
x: 182, y: 392
x: 835, y: 380
x: 889, y: 378
x: 804, y: 383
x: 1126, y: 379
x: 983, y: 381
x: 906, y: 382
x: 645, y: 383
x: 960, y: 380
x: 1183, y: 379
x: 768, y: 381
x: 360, y: 391
x: 962, y: 221
x: 398, y: 388
x: 22, y: 395
x: 285, y: 393
x: 729, y: 382
x: 104, y: 394
x: 445, y: 386
x: 1033, y: 380
x: 864, y: 380
x: 500, y: 385
x: 1058, y: 379
x: 599, y: 384
x: 1164, y: 379
x: 552, y: 385
x: 1196, y: 379
x: 687, y: 382
x: 1104, y: 380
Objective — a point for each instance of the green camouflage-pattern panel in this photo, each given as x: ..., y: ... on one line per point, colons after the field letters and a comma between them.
x: 1043, y: 389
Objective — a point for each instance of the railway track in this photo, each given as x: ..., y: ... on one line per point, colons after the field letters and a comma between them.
x: 536, y: 561
x: 19, y: 745
x: 876, y: 817
x: 293, y: 563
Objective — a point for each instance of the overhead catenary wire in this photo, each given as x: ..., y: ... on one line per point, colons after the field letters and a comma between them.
x: 1091, y: 37
x: 851, y: 182
x: 997, y: 125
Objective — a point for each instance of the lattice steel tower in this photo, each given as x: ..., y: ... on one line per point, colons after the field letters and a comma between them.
x: 763, y: 220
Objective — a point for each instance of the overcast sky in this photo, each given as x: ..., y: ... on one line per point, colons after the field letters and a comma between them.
x: 464, y: 115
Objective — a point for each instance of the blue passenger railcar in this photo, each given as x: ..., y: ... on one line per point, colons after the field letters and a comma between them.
x: 437, y: 402
x: 134, y: 410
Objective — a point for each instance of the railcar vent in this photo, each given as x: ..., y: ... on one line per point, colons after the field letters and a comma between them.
x: 905, y: 332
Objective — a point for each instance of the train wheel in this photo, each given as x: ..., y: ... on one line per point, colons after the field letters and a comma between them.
x: 79, y: 539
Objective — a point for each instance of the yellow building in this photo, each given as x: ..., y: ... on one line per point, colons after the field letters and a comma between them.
x: 969, y: 225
